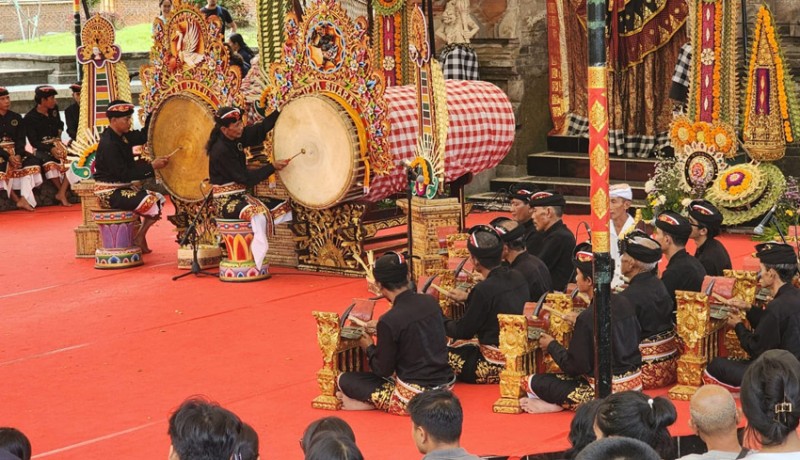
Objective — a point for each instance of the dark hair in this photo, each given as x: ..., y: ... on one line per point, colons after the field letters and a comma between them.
x: 439, y: 413
x: 581, y: 430
x: 394, y: 286
x: 558, y: 211
x: 488, y: 240
x: 15, y: 442
x: 589, y: 276
x: 325, y: 425
x: 333, y: 446
x: 636, y: 415
x: 212, y: 138
x: 772, y: 379
x: 203, y: 430
x: 618, y: 448
x: 712, y: 232
x: 161, y: 2
x: 786, y: 272
x: 677, y: 240
x: 246, y: 444
x: 239, y: 40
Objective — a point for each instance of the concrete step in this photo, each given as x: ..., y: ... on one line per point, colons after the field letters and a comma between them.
x: 12, y: 77
x: 495, y: 201
x: 567, y: 186
x: 572, y: 164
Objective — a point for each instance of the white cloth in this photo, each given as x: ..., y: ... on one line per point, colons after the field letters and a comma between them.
x: 26, y: 184
x: 774, y: 456
x: 625, y: 193
x: 713, y: 455
x: 618, y: 280
x: 260, y: 245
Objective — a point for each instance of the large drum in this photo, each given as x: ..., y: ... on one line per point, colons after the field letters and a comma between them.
x: 117, y: 229
x: 180, y: 127
x: 480, y: 133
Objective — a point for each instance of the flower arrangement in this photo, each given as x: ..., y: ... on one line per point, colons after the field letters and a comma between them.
x: 665, y: 189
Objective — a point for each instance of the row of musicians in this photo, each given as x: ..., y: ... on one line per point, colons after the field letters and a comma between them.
x: 411, y: 337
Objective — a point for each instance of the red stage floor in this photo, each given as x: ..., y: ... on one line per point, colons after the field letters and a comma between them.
x: 93, y: 362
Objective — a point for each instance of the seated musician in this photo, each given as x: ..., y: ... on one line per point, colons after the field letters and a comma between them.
x: 779, y: 325
x: 21, y: 169
x: 411, y: 354
x: 554, y: 242
x: 230, y: 176
x: 706, y: 221
x: 555, y: 392
x: 116, y: 170
x: 653, y: 305
x: 514, y: 252
x: 620, y: 198
x: 502, y: 290
x: 519, y: 197
x: 683, y: 272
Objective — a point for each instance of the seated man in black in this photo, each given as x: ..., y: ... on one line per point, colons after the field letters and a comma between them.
x: 43, y: 127
x: 779, y: 326
x: 555, y: 392
x: 649, y: 296
x: 411, y: 354
x: 502, y: 290
x: 116, y: 170
x: 531, y: 267
x: 554, y: 242
x: 706, y: 220
x: 72, y: 114
x: 519, y: 197
x: 683, y: 272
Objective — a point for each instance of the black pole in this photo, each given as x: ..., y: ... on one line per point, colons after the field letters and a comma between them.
x: 76, y: 16
x: 431, y: 37
x: 85, y: 9
x: 411, y: 178
x: 744, y: 29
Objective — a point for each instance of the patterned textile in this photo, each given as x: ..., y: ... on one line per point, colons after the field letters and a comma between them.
x: 231, y: 202
x: 481, y: 130
x: 476, y: 364
x: 459, y: 62
x: 618, y: 143
x: 127, y: 197
x: 570, y: 392
x: 659, y: 360
x: 683, y: 68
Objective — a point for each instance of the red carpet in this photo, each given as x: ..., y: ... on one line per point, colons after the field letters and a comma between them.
x: 93, y: 362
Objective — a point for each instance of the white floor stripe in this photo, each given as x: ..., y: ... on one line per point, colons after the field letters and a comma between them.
x: 93, y: 441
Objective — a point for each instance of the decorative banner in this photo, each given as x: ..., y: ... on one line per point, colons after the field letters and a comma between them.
x: 598, y: 156
x: 559, y: 71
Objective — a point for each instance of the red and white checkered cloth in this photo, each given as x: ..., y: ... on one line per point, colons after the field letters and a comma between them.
x: 480, y: 133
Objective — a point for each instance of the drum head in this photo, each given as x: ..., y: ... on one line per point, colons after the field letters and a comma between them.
x: 329, y: 170
x: 182, y: 121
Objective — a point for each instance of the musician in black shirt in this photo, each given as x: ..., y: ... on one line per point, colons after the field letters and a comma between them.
x: 554, y: 242
x: 683, y: 272
x: 519, y: 197
x: 779, y: 326
x: 72, y: 114
x: 502, y: 290
x: 43, y: 127
x: 411, y: 354
x: 21, y: 169
x: 531, y: 267
x: 555, y: 392
x: 706, y: 220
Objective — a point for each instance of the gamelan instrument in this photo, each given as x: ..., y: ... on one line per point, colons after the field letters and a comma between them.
x: 338, y: 343
x: 116, y: 248
x: 702, y: 326
x: 179, y: 129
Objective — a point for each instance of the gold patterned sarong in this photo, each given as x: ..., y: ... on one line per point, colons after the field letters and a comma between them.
x: 659, y: 360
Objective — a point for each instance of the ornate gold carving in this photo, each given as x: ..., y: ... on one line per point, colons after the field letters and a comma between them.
x: 600, y: 241
x: 328, y: 238
x: 328, y: 339
x: 597, y: 78
x: 599, y: 159
x: 597, y: 116
x: 514, y: 345
x: 560, y: 329
x: 600, y: 203
x: 744, y: 288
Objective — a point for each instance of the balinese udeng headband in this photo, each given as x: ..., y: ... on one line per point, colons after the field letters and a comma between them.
x: 227, y: 116
x: 484, y: 252
x: 583, y: 258
x: 390, y: 268
x: 3, y: 91
x: 634, y: 245
x: 119, y: 109
x: 509, y: 235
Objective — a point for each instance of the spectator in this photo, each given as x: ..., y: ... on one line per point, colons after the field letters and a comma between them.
x: 15, y: 442
x: 714, y: 417
x: 436, y: 419
x: 202, y: 430
x: 619, y: 448
x: 635, y: 415
x: 771, y: 403
x: 165, y: 8
x: 325, y: 425
x: 212, y: 9
x: 238, y: 45
x: 247, y: 444
x: 333, y: 446
x: 581, y: 430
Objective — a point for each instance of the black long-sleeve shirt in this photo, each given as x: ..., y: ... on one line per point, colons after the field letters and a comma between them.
x: 530, y: 236
x: 652, y: 303
x: 535, y: 273
x: 40, y: 127
x: 72, y: 116
x: 227, y: 163
x: 11, y: 126
x: 503, y: 291
x: 114, y: 161
x: 578, y: 359
x: 683, y: 273
x: 713, y: 257
x: 412, y: 342
x: 554, y: 247
x: 779, y: 326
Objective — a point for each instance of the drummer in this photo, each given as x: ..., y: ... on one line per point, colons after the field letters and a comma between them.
x: 229, y: 175
x: 116, y: 170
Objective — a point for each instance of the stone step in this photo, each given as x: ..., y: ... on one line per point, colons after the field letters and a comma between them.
x: 571, y: 164
x: 567, y: 186
x: 12, y: 77
x: 494, y: 201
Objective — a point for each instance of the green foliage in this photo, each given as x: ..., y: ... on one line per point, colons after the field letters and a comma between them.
x: 131, y: 38
x: 664, y: 189
x: 237, y: 8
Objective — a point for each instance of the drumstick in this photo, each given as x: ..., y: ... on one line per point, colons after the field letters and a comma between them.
x: 555, y: 312
x: 301, y: 152
x: 440, y: 289
x: 173, y: 152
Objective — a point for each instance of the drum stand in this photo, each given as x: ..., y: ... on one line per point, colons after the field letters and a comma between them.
x: 191, y: 236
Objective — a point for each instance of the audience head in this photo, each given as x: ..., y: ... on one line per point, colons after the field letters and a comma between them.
x: 548, y: 207
x: 640, y: 253
x: 581, y: 430
x: 672, y: 231
x: 770, y: 397
x: 237, y: 42
x: 511, y: 232
x: 246, y: 444
x: 713, y: 411
x: 485, y: 246
x: 15, y: 442
x: 619, y: 448
x: 436, y: 419
x: 323, y: 426
x: 635, y: 415
x: 391, y: 271
x: 520, y: 195
x: 202, y: 430
x: 333, y: 446
x: 620, y: 196
x: 778, y: 263
x: 705, y: 219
